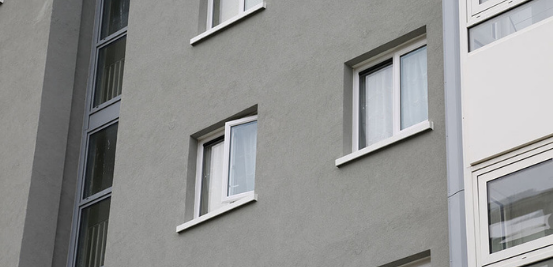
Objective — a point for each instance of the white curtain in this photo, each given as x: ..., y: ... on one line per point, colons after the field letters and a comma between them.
x: 250, y: 3
x: 224, y: 10
x: 242, y: 158
x: 376, y: 106
x: 414, y: 87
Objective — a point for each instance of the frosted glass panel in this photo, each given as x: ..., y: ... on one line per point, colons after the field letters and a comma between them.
x: 509, y: 22
x: 109, y: 74
x: 520, y: 206
x: 243, y: 145
x: 212, y: 174
x: 92, y: 235
x: 414, y: 87
x: 224, y: 10
x: 251, y: 3
x: 376, y: 106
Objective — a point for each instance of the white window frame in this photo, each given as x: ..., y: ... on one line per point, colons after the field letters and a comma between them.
x: 228, y: 126
x: 523, y: 254
x: 398, y: 134
x: 210, y: 29
x: 479, y: 12
x: 231, y: 202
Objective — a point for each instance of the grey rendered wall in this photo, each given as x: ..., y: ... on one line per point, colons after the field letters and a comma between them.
x: 71, y: 164
x: 24, y: 30
x: 289, y: 60
x: 37, y: 64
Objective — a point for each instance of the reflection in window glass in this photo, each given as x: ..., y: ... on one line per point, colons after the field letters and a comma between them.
x: 212, y: 173
x: 109, y: 79
x: 520, y: 206
x: 92, y: 235
x: 243, y: 144
x: 100, y: 160
x: 375, y: 105
x: 509, y: 22
x: 414, y: 87
x: 115, y: 16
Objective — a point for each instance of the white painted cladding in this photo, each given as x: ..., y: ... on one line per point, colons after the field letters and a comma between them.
x: 508, y: 87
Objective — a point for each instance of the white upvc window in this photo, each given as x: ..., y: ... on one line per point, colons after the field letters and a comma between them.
x: 219, y: 11
x: 222, y: 13
x: 480, y: 10
x: 509, y: 22
x: 225, y: 168
x: 390, y: 98
x: 513, y: 208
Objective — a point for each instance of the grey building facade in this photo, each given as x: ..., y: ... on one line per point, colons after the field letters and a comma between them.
x: 117, y: 114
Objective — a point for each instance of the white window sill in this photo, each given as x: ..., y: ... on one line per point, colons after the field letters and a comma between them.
x: 415, y: 129
x: 217, y: 212
x: 227, y: 23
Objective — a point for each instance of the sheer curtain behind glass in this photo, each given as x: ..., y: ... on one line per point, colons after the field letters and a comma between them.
x: 376, y: 106
x: 243, y: 143
x: 212, y: 174
x: 414, y: 87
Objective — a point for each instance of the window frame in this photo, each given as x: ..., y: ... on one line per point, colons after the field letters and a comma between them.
x: 519, y: 255
x: 225, y: 133
x: 393, y: 54
x: 95, y: 119
x: 480, y: 12
x: 210, y: 29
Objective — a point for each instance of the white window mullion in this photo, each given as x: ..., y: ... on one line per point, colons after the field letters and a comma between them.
x: 209, y: 24
x: 396, y: 95
x: 241, y: 6
x: 355, y: 113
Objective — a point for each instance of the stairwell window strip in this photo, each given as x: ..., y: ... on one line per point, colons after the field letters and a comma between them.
x: 99, y: 138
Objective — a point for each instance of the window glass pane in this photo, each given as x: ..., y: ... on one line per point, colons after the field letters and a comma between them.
x: 509, y: 22
x: 212, y: 173
x: 546, y: 263
x: 414, y: 87
x: 224, y: 10
x: 243, y: 143
x: 375, y: 106
x: 115, y: 16
x: 92, y: 235
x: 109, y: 75
x: 520, y: 206
x: 100, y: 160
x: 251, y: 3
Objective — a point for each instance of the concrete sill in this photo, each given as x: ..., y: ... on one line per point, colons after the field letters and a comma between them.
x: 227, y: 23
x: 413, y: 130
x: 217, y: 212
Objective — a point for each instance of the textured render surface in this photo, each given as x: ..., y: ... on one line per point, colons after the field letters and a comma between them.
x: 37, y: 67
x: 46, y: 181
x: 70, y: 175
x: 289, y: 59
x: 24, y: 31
